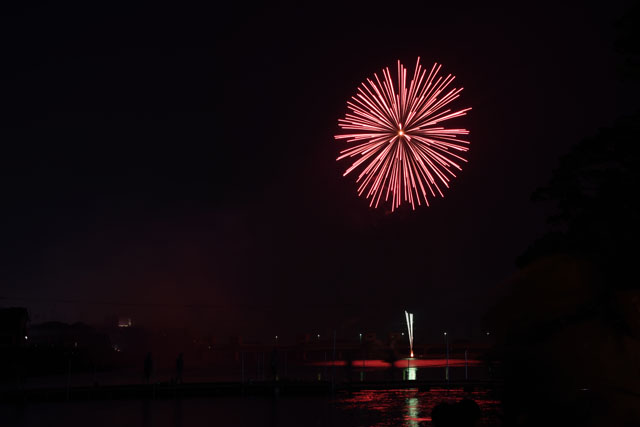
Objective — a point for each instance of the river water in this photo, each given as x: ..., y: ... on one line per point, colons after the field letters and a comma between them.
x: 368, y: 408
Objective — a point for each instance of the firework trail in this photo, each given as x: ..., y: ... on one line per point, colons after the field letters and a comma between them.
x: 396, y: 139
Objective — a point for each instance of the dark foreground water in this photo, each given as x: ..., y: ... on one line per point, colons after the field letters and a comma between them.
x: 407, y: 407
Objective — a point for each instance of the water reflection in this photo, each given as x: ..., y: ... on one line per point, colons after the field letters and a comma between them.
x: 409, y: 407
x: 411, y: 418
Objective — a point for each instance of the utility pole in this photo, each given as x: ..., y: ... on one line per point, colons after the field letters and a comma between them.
x: 333, y: 370
x: 466, y: 365
x: 446, y: 345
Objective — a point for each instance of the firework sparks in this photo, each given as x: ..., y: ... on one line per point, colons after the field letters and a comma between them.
x: 409, y: 317
x: 396, y: 138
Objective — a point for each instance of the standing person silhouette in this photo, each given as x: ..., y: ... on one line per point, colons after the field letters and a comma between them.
x: 274, y: 365
x: 179, y: 368
x: 148, y: 367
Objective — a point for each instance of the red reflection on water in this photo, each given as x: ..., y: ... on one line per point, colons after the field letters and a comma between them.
x: 411, y: 407
x: 403, y: 363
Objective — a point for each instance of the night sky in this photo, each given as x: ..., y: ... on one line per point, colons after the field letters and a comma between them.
x: 176, y: 163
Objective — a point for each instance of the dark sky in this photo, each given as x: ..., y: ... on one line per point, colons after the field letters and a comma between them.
x: 177, y: 163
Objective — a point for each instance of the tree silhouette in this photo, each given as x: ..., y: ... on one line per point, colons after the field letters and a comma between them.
x: 568, y: 329
x: 598, y: 213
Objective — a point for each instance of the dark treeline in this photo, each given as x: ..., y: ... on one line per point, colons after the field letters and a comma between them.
x: 570, y: 323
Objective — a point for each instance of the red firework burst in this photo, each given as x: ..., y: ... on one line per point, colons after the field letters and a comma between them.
x: 396, y: 138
